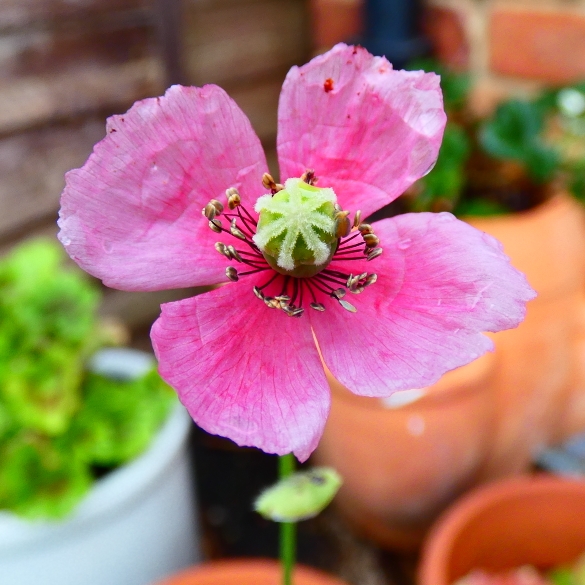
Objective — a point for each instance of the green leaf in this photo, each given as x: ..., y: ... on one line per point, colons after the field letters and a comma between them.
x: 577, y: 181
x: 542, y: 162
x: 40, y: 478
x: 515, y: 125
x: 42, y: 389
x: 562, y: 576
x: 514, y: 133
x: 479, y: 207
x: 119, y: 418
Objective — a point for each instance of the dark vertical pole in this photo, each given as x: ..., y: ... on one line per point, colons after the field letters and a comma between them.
x: 168, y: 15
x: 393, y: 30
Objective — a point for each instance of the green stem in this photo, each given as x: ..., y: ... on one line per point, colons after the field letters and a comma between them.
x: 288, y: 530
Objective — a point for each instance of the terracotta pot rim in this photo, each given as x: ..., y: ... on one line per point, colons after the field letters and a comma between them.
x: 228, y: 568
x: 448, y: 526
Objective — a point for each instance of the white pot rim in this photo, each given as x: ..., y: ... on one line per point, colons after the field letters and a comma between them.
x: 109, y: 495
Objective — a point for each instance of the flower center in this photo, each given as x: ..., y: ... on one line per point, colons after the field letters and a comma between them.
x: 300, y: 234
x: 296, y: 231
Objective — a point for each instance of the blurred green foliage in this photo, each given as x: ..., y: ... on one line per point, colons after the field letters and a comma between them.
x: 515, y: 132
x: 59, y: 423
x: 446, y: 181
x: 505, y: 162
x: 569, y: 575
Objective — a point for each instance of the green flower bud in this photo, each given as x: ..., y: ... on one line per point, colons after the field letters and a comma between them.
x: 300, y: 496
x: 296, y: 232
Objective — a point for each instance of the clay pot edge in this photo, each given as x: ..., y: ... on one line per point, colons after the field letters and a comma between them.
x: 434, y: 564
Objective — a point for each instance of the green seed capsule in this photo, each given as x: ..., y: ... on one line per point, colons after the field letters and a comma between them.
x: 300, y: 496
x: 297, y: 232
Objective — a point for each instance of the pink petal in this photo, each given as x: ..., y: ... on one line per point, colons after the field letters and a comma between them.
x: 132, y: 214
x: 368, y: 132
x: 441, y: 283
x: 244, y: 371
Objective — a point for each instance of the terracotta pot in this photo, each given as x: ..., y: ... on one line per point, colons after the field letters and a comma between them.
x: 485, y: 420
x: 573, y: 414
x: 537, y: 370
x: 402, y: 464
x: 526, y: 520
x: 247, y: 572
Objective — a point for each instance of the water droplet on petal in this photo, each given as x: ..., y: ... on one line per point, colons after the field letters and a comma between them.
x: 491, y: 241
x: 429, y: 169
x: 404, y: 244
x: 65, y: 241
x: 108, y: 247
x: 445, y: 216
x: 472, y: 302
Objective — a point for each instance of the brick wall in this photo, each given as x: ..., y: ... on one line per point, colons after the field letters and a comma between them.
x: 510, y: 46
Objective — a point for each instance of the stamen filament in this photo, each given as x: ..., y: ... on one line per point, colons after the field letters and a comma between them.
x: 349, y: 239
x: 344, y: 247
x: 253, y: 271
x: 308, y: 283
x: 274, y: 277
x: 285, y: 285
x: 246, y: 253
x: 251, y: 244
x: 336, y: 273
x: 248, y: 214
x: 350, y: 258
x: 336, y: 279
x: 245, y: 229
x: 321, y: 287
x: 249, y: 223
x: 295, y: 291
x: 346, y: 252
x: 255, y: 264
x: 301, y: 288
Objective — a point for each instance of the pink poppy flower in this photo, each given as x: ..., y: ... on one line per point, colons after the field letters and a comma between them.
x: 309, y: 281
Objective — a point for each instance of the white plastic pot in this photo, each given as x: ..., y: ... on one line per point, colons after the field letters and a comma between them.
x: 137, y: 524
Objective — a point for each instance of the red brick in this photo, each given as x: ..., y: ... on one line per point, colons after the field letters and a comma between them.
x: 335, y: 21
x: 542, y: 45
x: 446, y: 31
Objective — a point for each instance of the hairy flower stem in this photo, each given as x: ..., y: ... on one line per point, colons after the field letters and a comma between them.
x: 288, y: 530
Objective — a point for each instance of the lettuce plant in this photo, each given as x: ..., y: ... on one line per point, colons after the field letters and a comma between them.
x: 61, y: 426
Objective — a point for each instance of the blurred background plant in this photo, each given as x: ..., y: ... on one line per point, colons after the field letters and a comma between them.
x: 509, y: 161
x: 61, y: 425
